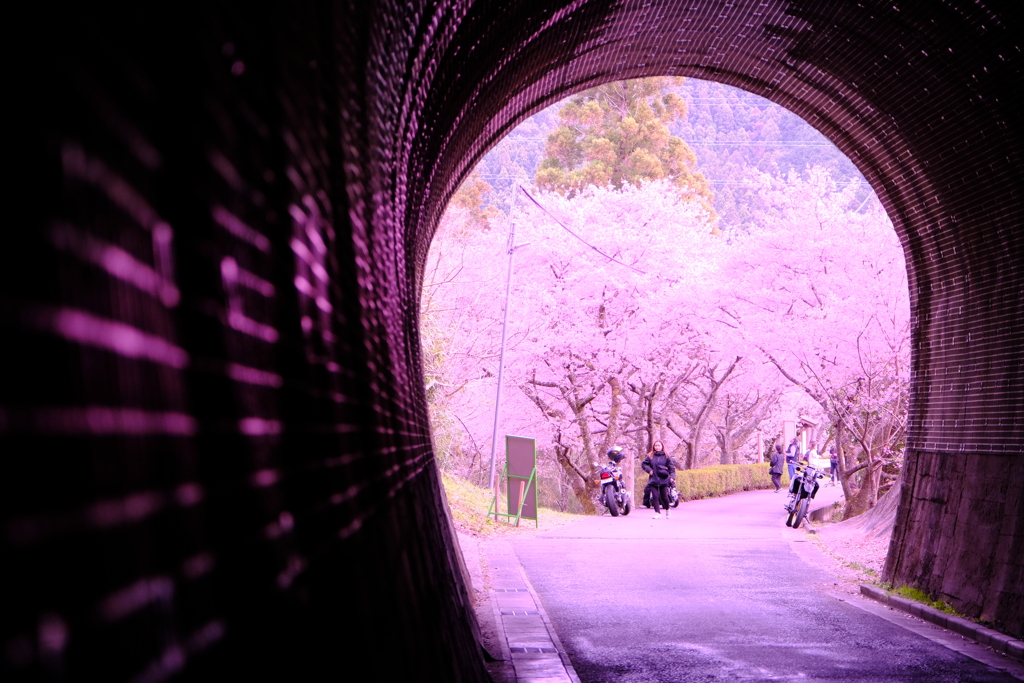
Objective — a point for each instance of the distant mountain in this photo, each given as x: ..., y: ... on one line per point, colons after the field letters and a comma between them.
x: 516, y: 158
x: 731, y: 131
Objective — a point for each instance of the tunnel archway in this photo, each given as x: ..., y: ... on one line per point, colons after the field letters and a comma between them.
x: 217, y: 436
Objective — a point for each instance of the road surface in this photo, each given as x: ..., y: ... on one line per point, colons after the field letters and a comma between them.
x: 716, y: 592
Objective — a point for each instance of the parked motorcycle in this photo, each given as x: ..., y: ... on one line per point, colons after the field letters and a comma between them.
x: 613, y: 487
x: 673, y: 496
x: 801, y: 491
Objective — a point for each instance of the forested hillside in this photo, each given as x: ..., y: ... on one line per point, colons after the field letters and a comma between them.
x: 733, y: 132
x: 730, y: 130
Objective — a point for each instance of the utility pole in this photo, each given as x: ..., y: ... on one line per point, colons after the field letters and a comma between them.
x: 512, y: 246
x: 504, y: 331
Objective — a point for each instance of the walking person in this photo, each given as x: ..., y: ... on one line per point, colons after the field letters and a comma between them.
x: 833, y: 463
x: 775, y: 467
x: 792, y: 458
x: 663, y: 475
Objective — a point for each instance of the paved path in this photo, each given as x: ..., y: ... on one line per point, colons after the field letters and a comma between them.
x: 718, y: 592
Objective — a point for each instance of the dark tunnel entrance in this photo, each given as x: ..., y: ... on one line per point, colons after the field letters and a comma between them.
x: 219, y: 459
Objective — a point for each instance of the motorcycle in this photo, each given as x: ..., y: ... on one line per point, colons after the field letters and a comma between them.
x: 801, y: 492
x: 613, y: 489
x: 673, y: 496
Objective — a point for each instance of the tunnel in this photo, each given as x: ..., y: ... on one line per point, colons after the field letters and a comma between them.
x: 217, y: 453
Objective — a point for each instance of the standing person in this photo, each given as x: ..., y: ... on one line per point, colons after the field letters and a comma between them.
x: 792, y: 457
x: 663, y: 475
x: 775, y: 467
x: 812, y: 454
x: 833, y: 463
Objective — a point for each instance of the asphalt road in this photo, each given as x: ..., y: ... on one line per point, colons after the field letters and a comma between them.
x: 717, y: 593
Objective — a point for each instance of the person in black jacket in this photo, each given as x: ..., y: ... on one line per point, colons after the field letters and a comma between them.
x: 663, y: 475
x: 775, y: 467
x: 792, y: 458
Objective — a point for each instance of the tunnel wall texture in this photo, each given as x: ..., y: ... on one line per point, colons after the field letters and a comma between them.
x: 211, y: 410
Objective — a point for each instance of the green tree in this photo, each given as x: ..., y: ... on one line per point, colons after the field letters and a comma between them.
x: 471, y: 196
x: 618, y: 133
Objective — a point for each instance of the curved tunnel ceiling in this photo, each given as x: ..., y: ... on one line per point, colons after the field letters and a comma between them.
x: 224, y: 454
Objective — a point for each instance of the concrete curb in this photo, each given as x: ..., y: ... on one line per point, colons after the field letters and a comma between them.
x: 502, y: 670
x: 530, y: 648
x: 562, y: 654
x: 1000, y: 642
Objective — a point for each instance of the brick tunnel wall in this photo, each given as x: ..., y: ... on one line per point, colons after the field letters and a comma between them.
x: 218, y: 457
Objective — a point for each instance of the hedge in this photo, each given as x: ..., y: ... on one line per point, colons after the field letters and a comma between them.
x: 719, y: 480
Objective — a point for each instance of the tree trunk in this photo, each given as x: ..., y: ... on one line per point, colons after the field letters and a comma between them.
x: 561, y: 480
x: 576, y: 479
x: 867, y: 495
x: 724, y: 447
x: 844, y: 467
x: 859, y: 504
x: 693, y: 452
x: 650, y: 417
x: 697, y: 431
x: 614, y: 411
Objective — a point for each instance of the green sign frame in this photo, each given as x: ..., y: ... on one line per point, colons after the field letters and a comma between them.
x: 520, y: 478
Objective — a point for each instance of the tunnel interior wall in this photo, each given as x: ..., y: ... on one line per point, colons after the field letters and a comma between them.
x: 218, y: 457
x: 966, y: 513
x: 211, y: 405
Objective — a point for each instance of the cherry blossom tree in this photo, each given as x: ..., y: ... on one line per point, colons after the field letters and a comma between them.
x: 630, y: 322
x: 821, y: 292
x: 603, y: 288
x: 744, y: 405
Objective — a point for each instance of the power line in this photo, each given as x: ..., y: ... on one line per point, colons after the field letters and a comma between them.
x: 564, y: 227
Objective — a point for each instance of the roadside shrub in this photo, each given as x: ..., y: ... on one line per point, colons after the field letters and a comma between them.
x: 719, y: 480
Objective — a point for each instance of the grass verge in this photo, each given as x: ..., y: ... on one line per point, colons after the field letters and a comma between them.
x: 469, y: 504
x: 918, y: 595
